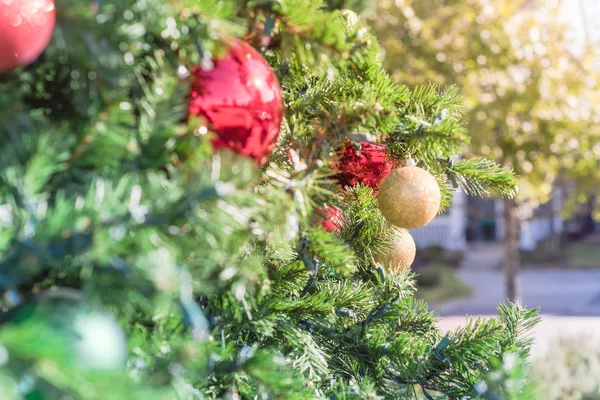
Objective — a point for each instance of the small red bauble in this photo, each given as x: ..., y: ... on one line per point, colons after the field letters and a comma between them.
x: 369, y: 165
x: 25, y: 30
x: 241, y: 97
x: 332, y: 218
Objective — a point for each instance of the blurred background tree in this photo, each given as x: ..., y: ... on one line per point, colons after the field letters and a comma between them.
x: 531, y: 95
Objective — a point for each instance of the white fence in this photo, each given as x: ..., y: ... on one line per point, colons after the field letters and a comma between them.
x: 449, y: 230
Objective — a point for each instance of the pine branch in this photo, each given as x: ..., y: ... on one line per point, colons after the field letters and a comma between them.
x: 518, y: 322
x: 481, y: 177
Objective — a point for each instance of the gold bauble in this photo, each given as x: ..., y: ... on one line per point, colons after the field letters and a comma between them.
x: 399, y: 254
x: 409, y: 197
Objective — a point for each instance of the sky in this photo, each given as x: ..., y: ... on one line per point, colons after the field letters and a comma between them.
x: 581, y: 14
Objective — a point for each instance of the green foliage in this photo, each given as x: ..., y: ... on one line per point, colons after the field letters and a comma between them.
x: 214, y: 266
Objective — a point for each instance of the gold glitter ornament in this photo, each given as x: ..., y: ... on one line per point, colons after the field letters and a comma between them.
x: 409, y: 197
x: 400, y: 253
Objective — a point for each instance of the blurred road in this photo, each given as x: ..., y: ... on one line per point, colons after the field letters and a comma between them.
x: 555, y: 291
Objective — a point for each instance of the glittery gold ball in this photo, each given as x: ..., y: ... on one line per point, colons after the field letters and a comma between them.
x: 409, y: 197
x: 400, y: 253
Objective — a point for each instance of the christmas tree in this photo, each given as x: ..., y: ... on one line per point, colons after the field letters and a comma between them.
x: 194, y: 203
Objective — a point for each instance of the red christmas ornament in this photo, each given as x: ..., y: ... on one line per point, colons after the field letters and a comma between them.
x: 241, y: 97
x: 25, y: 30
x: 369, y: 165
x: 331, y: 218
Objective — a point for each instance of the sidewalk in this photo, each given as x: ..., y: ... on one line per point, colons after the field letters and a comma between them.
x: 483, y: 256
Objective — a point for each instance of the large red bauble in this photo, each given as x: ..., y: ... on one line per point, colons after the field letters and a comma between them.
x: 25, y: 30
x: 368, y: 165
x: 241, y: 97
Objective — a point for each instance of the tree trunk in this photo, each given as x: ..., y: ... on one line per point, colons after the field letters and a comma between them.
x: 512, y: 258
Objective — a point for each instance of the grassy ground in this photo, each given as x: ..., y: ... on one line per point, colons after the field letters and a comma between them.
x: 577, y: 255
x: 436, y: 277
x: 437, y: 283
x: 583, y: 256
